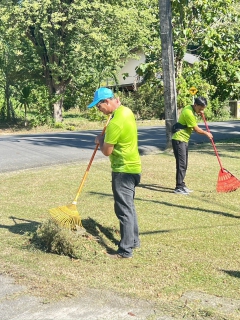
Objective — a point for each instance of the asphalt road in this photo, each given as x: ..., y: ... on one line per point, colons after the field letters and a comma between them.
x: 20, y: 152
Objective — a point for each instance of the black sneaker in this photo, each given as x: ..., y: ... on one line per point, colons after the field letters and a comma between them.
x: 181, y: 191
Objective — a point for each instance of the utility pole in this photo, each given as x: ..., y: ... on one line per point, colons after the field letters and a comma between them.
x: 169, y: 86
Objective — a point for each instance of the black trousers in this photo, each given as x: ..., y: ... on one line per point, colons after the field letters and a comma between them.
x: 180, y: 150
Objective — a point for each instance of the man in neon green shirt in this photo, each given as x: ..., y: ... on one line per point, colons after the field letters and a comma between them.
x: 120, y: 143
x: 181, y: 134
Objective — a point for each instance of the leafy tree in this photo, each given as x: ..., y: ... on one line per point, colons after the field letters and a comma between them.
x: 25, y: 100
x: 17, y: 61
x: 209, y: 29
x: 221, y: 53
x: 80, y: 41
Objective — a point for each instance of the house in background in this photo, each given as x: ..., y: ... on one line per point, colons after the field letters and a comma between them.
x: 191, y: 58
x: 128, y: 79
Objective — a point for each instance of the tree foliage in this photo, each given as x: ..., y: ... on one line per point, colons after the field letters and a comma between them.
x: 72, y: 46
x: 80, y: 41
x: 209, y: 29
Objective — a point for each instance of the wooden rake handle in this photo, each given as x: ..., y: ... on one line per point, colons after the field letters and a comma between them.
x: 90, y: 163
x: 213, y: 144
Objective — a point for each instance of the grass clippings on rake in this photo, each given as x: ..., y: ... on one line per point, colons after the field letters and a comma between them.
x: 188, y: 243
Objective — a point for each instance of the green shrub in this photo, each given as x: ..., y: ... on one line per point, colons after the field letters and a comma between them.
x: 58, y: 125
x: 70, y: 128
x: 146, y: 102
x: 95, y: 115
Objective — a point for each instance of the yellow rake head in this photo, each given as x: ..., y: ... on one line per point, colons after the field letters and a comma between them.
x: 67, y: 216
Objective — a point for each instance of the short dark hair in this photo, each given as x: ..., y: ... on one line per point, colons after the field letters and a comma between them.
x: 200, y: 101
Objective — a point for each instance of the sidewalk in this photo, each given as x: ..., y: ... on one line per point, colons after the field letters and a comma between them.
x: 17, y: 304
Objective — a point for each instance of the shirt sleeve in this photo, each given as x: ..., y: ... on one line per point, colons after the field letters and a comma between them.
x: 112, y: 133
x: 190, y: 118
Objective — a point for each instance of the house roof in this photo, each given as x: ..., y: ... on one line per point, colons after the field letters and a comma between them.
x: 191, y: 58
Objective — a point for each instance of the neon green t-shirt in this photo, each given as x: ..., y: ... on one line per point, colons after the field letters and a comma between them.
x: 188, y: 118
x: 122, y: 133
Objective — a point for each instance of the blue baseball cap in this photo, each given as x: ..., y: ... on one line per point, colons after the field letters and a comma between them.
x: 101, y: 94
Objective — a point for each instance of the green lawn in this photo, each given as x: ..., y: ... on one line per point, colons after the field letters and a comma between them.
x: 188, y: 243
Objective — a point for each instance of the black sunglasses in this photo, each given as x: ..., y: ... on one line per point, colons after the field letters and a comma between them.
x: 98, y: 105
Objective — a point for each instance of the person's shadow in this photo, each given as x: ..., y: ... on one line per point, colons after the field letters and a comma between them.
x: 21, y: 226
x: 96, y: 229
x: 155, y: 187
x: 232, y: 273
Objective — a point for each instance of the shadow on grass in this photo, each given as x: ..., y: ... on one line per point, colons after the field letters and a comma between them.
x: 160, y: 188
x: 225, y: 214
x: 22, y: 227
x: 99, y: 231
x: 183, y: 229
x: 17, y: 125
x: 155, y: 187
x: 232, y: 273
x: 224, y: 146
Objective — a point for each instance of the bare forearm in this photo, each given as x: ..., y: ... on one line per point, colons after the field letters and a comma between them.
x: 201, y: 131
x: 106, y: 148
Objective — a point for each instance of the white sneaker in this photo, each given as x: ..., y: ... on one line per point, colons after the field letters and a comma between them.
x: 181, y: 191
x: 187, y: 190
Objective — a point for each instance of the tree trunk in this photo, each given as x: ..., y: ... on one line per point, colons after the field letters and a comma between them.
x: 7, y: 99
x: 57, y: 110
x: 12, y: 112
x: 57, y: 92
x: 170, y: 96
x: 55, y: 87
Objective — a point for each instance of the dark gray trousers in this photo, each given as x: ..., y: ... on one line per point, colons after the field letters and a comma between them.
x: 123, y: 187
x: 180, y: 150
